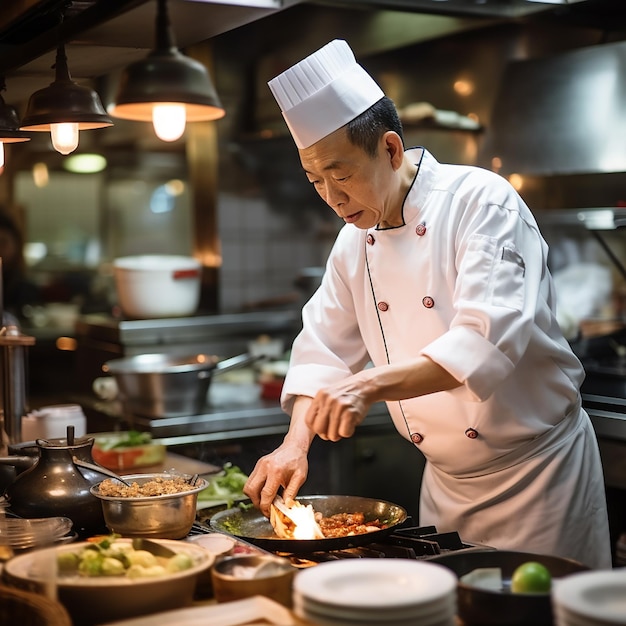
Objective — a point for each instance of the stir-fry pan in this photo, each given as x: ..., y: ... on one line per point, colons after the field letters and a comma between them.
x: 252, y: 526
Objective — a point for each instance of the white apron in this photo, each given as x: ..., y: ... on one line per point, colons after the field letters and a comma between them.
x: 512, y: 460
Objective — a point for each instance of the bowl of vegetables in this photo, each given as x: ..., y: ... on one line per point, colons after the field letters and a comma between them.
x: 111, y: 578
x: 127, y: 450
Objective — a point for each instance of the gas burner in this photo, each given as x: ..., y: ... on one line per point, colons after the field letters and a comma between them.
x: 407, y: 542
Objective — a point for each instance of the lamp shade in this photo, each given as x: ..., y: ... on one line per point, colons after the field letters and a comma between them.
x: 64, y: 101
x: 10, y: 124
x: 166, y: 76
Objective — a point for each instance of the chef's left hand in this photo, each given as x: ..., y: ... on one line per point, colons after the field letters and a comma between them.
x: 337, y: 410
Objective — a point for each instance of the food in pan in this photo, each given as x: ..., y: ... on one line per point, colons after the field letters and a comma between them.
x: 298, y: 521
x: 347, y: 524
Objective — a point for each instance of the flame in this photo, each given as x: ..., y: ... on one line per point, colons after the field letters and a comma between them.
x: 294, y: 522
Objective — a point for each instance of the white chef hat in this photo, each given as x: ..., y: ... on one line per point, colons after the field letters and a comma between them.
x: 323, y: 92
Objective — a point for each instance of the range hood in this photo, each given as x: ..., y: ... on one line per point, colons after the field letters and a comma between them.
x: 564, y: 114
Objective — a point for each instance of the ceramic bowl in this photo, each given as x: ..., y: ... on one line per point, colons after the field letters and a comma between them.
x: 97, y: 600
x: 238, y: 577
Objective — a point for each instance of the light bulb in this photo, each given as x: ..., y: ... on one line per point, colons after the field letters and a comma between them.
x: 1, y: 154
x: 64, y: 137
x: 169, y: 121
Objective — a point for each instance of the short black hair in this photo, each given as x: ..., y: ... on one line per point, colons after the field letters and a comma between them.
x: 366, y: 129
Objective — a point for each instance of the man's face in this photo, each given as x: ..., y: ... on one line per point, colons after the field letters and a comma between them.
x: 356, y: 186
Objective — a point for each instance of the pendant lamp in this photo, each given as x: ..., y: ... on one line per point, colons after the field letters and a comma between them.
x: 9, y: 124
x: 167, y: 88
x: 64, y: 108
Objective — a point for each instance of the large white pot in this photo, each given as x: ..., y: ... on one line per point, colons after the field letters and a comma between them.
x: 154, y: 285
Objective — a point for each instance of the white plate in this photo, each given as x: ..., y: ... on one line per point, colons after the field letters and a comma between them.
x: 599, y: 596
x: 362, y: 583
x: 445, y: 605
x: 369, y: 617
x: 325, y: 620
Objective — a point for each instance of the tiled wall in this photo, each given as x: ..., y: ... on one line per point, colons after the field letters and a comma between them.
x: 263, y: 251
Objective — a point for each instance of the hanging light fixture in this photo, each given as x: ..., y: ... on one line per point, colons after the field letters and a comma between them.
x: 64, y: 108
x: 9, y: 124
x: 167, y: 88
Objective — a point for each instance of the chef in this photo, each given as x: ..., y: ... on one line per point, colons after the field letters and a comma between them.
x: 436, y: 299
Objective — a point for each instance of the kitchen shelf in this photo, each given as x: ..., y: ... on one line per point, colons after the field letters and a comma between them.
x: 594, y: 218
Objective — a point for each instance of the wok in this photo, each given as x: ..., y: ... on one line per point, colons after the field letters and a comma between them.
x: 485, y: 607
x: 252, y: 526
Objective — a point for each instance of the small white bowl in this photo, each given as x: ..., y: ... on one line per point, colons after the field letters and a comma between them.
x: 215, y: 543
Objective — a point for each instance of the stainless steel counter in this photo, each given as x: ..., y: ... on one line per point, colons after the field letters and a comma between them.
x: 234, y: 411
x: 137, y: 335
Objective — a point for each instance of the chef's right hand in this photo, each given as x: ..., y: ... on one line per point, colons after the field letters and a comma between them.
x: 285, y: 467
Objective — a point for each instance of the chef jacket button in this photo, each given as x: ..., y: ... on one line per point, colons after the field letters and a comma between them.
x: 428, y: 302
x: 383, y: 306
x: 420, y: 229
x: 471, y: 433
x: 370, y: 239
x: 417, y: 438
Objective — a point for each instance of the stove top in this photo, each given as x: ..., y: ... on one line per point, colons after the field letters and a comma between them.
x: 408, y: 541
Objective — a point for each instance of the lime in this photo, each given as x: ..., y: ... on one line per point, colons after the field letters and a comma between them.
x: 531, y: 577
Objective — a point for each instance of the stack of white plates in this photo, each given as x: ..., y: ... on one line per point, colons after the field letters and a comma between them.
x: 373, y: 592
x: 595, y: 598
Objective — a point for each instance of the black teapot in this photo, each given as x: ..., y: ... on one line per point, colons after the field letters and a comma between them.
x: 58, y: 482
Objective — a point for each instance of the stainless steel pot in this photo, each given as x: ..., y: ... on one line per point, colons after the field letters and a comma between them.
x: 251, y: 525
x: 163, y: 385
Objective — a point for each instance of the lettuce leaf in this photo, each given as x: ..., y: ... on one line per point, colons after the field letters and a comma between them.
x: 227, y: 486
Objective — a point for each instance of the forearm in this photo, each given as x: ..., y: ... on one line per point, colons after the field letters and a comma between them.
x: 418, y: 377
x: 299, y: 434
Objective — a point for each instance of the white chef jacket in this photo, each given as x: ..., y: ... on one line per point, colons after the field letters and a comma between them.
x: 512, y: 459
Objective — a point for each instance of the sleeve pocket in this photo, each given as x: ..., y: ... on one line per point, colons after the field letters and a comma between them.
x: 493, y: 274
x: 508, y: 279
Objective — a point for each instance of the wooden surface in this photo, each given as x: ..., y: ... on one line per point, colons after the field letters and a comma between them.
x: 179, y: 463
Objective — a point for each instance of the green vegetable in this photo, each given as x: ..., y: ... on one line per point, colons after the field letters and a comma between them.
x: 112, y: 567
x: 179, y: 562
x: 143, y: 558
x: 146, y: 571
x: 226, y: 486
x: 105, y: 557
x: 531, y: 577
x: 67, y: 562
x: 129, y: 439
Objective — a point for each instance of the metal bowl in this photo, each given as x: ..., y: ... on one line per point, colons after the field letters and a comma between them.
x: 166, y: 385
x: 168, y: 516
x: 163, y: 385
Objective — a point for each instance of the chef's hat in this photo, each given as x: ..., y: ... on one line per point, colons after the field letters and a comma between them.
x: 323, y: 92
